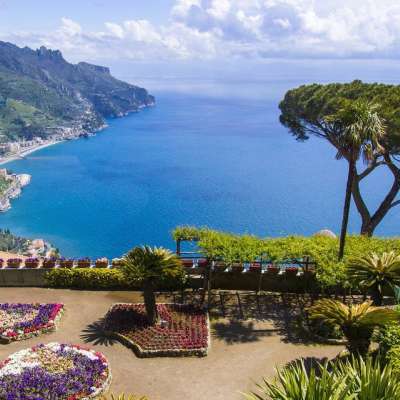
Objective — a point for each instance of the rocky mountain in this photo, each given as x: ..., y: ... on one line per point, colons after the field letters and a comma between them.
x: 40, y: 92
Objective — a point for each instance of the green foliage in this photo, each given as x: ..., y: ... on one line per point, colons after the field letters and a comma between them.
x: 38, y: 92
x: 356, y: 320
x: 375, y: 272
x: 393, y: 358
x: 306, y: 106
x: 354, y: 379
x: 12, y: 243
x: 85, y: 278
x: 143, y: 264
x: 322, y: 250
x: 388, y: 337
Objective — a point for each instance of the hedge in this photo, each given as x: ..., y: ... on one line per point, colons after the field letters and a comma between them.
x: 322, y: 250
x: 85, y: 278
x: 97, y: 279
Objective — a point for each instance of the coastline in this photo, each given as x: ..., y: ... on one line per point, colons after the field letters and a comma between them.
x: 22, y: 154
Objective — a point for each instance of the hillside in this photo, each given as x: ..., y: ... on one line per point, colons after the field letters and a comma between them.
x: 41, y: 93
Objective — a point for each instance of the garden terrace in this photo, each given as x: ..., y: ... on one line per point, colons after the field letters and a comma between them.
x: 256, y: 343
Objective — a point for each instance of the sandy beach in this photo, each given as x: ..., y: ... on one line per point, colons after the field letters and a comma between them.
x: 23, y: 153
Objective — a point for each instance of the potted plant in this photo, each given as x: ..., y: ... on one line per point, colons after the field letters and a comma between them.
x: 14, y: 262
x: 1, y: 263
x: 237, y: 268
x: 273, y: 269
x: 49, y: 262
x: 32, y: 262
x: 84, y: 263
x: 66, y: 263
x: 220, y: 266
x: 101, y: 263
x: 291, y: 271
x: 255, y: 267
x: 116, y: 263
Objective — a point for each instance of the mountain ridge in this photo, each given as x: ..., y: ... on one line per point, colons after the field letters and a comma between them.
x: 40, y: 93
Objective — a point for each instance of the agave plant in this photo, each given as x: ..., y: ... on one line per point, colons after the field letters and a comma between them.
x: 295, y: 383
x: 369, y: 379
x: 353, y: 379
x: 356, y: 321
x: 147, y: 266
x: 375, y: 272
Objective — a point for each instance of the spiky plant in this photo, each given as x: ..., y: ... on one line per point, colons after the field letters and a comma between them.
x: 294, y: 382
x: 353, y: 379
x: 148, y: 266
x: 356, y: 321
x: 369, y: 379
x: 375, y: 272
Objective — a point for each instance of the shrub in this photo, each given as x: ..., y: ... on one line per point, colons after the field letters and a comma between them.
x: 388, y: 337
x: 85, y: 278
x: 393, y: 358
x: 97, y: 278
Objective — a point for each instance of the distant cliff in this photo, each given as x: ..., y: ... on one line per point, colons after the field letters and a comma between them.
x: 40, y: 93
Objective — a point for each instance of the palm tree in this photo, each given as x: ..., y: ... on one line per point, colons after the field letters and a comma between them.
x: 356, y: 321
x: 357, y: 131
x: 375, y: 271
x: 148, y: 266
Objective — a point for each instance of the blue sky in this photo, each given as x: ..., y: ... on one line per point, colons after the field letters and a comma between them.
x: 208, y: 37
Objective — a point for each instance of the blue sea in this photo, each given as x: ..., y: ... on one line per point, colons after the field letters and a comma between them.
x: 222, y: 161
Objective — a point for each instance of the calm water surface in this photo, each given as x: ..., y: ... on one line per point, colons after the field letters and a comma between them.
x: 223, y: 162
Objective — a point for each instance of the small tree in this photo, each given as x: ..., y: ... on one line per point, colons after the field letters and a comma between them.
x: 375, y: 272
x: 356, y: 321
x: 150, y: 266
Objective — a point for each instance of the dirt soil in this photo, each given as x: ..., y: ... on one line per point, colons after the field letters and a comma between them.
x: 242, y: 351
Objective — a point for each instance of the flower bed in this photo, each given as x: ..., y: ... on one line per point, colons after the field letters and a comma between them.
x: 182, y: 331
x: 22, y: 321
x: 54, y: 371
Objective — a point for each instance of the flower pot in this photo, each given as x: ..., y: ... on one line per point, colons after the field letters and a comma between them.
x: 32, y: 263
x: 84, y: 263
x: 220, y: 267
x: 237, y: 268
x: 291, y: 272
x: 14, y: 263
x: 116, y: 263
x: 49, y: 263
x: 66, y: 263
x: 255, y: 268
x: 273, y: 270
x: 101, y: 263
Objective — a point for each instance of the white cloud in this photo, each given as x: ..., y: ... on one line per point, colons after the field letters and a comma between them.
x: 238, y: 28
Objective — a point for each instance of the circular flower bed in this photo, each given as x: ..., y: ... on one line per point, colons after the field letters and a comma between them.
x: 22, y: 321
x: 54, y: 371
x: 183, y: 330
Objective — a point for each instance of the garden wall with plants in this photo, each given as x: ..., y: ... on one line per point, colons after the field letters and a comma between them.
x: 321, y: 250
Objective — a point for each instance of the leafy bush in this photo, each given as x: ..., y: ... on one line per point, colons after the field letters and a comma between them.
x: 100, y: 279
x: 388, y: 337
x: 85, y: 278
x: 393, y: 358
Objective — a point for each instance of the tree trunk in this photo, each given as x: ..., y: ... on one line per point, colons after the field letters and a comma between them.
x: 150, y: 302
x: 376, y: 295
x: 370, y: 222
x: 346, y: 208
